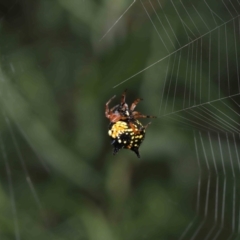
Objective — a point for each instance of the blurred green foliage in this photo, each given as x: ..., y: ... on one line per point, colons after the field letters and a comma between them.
x: 55, y: 77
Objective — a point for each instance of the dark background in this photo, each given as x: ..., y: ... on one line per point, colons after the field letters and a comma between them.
x: 59, y: 179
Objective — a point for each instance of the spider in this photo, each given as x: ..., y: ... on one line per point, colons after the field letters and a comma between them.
x: 124, y: 129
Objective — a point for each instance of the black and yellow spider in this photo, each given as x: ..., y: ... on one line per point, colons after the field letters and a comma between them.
x: 124, y: 129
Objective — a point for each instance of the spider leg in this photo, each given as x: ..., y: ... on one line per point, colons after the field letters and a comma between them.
x: 134, y: 104
x: 140, y: 115
x: 107, y: 111
x: 116, y: 117
x: 135, y: 130
x: 147, y: 125
x: 123, y: 97
x: 114, y: 108
x: 124, y: 105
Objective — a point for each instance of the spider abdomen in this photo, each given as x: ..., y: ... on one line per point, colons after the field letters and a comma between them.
x: 124, y: 129
x: 126, y: 134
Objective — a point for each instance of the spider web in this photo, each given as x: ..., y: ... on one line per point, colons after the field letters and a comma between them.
x: 197, y: 90
x: 200, y: 91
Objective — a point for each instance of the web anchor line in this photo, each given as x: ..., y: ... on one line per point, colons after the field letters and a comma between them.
x: 116, y: 21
